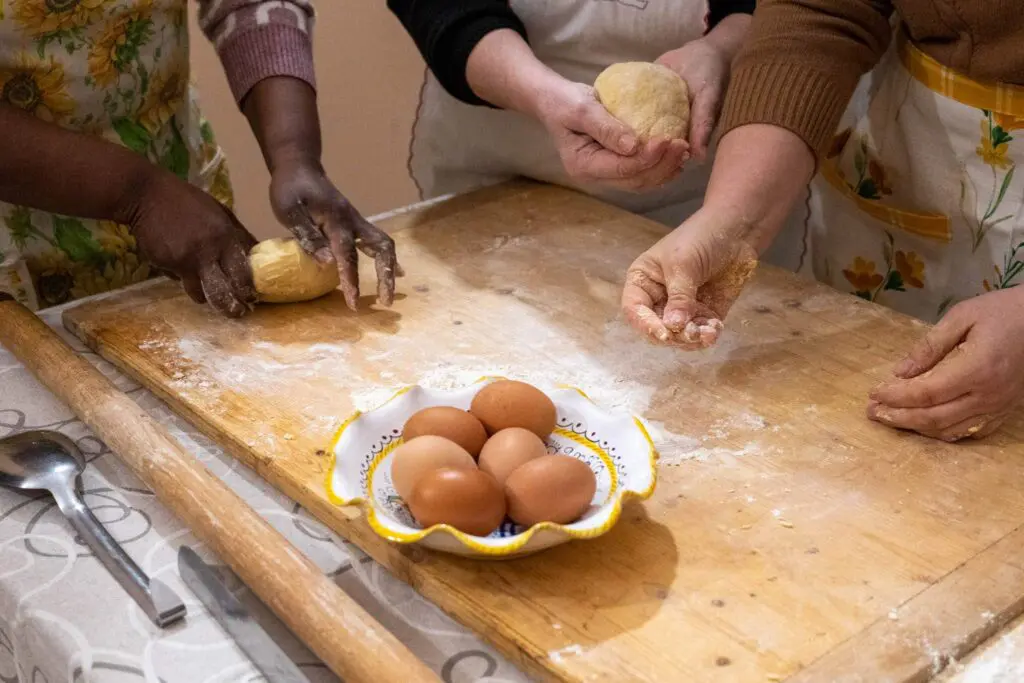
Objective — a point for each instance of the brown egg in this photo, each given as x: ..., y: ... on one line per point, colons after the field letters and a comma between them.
x: 508, y: 449
x: 505, y: 404
x: 552, y: 488
x: 469, y: 500
x: 413, y: 459
x: 451, y: 423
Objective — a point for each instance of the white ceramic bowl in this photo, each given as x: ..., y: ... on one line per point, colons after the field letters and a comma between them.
x: 617, y: 448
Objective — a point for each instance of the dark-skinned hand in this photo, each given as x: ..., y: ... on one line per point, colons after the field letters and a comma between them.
x: 188, y: 234
x: 283, y: 114
x: 327, y: 226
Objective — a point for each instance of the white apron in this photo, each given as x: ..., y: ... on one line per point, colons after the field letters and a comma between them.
x: 918, y: 204
x: 458, y: 147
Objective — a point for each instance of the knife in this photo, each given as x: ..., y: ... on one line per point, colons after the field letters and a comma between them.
x: 231, y: 614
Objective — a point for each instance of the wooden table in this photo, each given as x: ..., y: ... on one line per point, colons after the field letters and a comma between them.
x: 789, y: 538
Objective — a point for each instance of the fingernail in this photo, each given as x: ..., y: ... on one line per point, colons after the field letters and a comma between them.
x: 323, y: 255
x: 903, y: 368
x: 627, y: 143
x: 662, y: 335
x: 872, y: 408
x: 674, y: 319
x: 692, y: 332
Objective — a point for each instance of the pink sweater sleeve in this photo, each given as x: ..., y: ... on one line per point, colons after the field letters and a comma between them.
x: 258, y: 39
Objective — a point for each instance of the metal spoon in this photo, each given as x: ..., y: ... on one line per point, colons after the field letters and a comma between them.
x: 49, y: 461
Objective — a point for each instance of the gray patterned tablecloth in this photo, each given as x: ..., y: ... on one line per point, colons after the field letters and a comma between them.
x: 63, y: 618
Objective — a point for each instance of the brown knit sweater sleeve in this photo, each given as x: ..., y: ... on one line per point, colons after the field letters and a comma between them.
x: 801, y: 64
x: 258, y: 39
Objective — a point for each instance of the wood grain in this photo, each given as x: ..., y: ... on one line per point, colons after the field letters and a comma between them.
x: 786, y: 527
x: 334, y: 626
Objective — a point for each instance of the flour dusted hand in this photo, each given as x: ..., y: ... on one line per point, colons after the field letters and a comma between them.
x: 649, y: 98
x: 284, y: 273
x: 185, y: 232
x: 679, y: 291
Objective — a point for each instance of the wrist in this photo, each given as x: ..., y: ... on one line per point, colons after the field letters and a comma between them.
x: 290, y: 157
x: 727, y: 36
x: 552, y: 98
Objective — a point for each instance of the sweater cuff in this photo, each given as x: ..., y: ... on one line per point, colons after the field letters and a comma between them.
x: 463, y: 40
x: 803, y: 100
x: 265, y: 52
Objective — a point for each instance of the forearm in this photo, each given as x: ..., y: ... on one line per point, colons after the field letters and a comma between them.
x: 48, y: 168
x: 759, y: 174
x: 283, y: 115
x: 503, y: 70
x: 447, y: 31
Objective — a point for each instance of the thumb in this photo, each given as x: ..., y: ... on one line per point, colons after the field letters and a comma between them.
x: 681, y: 305
x: 935, y: 346
x: 703, y: 116
x: 611, y: 133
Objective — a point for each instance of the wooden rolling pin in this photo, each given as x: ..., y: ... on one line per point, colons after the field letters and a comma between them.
x: 352, y: 644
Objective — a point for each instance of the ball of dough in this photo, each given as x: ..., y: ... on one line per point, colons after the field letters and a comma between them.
x: 649, y: 98
x: 284, y: 273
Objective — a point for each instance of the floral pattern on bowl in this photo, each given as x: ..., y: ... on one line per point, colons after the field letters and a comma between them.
x: 617, y: 448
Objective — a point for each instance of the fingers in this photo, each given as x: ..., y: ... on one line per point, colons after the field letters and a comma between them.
x: 703, y: 116
x: 343, y: 246
x: 590, y: 161
x: 235, y: 264
x: 681, y: 306
x: 670, y: 165
x: 219, y: 292
x: 611, y: 133
x: 703, y: 332
x: 939, y: 341
x: 193, y: 286
x: 945, y: 382
x: 947, y: 421
x: 639, y: 298
x: 643, y: 304
x: 308, y: 233
x: 376, y: 243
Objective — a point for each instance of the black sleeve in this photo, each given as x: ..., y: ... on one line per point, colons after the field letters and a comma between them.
x: 446, y: 31
x: 720, y: 9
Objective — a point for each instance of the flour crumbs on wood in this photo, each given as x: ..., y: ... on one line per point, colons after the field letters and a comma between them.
x: 620, y: 371
x: 623, y: 377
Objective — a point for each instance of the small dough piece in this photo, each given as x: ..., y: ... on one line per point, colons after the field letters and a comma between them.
x: 284, y: 273
x: 649, y: 98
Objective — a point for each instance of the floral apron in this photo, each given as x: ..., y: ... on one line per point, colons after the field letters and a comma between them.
x: 918, y: 204
x: 118, y: 69
x: 457, y: 147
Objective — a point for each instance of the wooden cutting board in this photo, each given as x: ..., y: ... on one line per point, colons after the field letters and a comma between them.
x: 789, y: 538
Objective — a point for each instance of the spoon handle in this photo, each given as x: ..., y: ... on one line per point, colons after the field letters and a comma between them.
x: 158, y: 601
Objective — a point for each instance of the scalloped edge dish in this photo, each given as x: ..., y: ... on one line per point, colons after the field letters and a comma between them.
x: 618, y: 447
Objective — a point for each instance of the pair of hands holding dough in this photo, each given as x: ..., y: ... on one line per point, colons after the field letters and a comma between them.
x: 641, y: 122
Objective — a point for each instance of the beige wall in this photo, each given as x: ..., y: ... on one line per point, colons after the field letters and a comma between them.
x: 369, y: 75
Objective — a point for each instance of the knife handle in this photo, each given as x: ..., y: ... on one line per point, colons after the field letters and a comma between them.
x: 160, y: 603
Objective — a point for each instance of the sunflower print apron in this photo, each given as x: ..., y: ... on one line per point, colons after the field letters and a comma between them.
x: 118, y: 69
x: 918, y: 204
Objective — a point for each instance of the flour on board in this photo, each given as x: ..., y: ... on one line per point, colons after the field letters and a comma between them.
x: 620, y: 371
